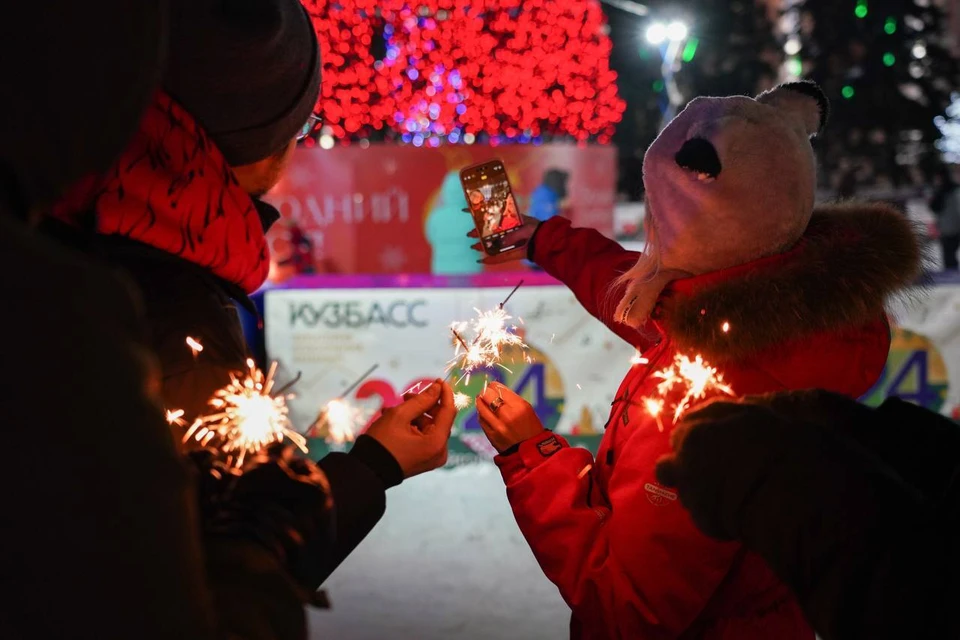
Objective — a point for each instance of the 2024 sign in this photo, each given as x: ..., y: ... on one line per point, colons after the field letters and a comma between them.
x: 914, y: 372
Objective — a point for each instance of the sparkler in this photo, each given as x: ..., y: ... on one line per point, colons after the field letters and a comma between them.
x: 492, y: 335
x: 194, y: 345
x: 248, y: 415
x: 340, y: 420
x: 461, y: 401
x: 175, y: 417
x: 694, y: 377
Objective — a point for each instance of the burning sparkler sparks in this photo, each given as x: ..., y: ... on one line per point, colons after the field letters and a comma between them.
x: 492, y: 334
x: 725, y: 327
x: 340, y: 421
x: 194, y: 345
x: 175, y: 417
x: 654, y: 407
x: 694, y: 377
x: 461, y: 401
x: 247, y: 415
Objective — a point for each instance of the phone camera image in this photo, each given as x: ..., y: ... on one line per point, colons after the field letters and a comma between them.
x: 492, y: 205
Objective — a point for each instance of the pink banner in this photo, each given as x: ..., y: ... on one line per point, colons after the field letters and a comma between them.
x: 365, y: 210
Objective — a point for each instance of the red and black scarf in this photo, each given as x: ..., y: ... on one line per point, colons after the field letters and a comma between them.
x: 173, y: 190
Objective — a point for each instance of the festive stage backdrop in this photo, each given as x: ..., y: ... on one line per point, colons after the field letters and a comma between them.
x: 353, y: 210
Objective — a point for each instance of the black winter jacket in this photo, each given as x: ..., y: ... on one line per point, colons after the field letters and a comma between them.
x: 181, y: 299
x: 856, y: 509
x: 100, y: 530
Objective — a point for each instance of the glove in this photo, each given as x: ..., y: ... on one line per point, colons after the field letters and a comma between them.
x: 720, y: 452
x: 284, y: 503
x: 213, y: 482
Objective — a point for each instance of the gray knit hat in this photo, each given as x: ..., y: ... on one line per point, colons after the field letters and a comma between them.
x: 247, y: 70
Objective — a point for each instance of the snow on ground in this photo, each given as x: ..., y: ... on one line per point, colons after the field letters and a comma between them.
x: 447, y: 561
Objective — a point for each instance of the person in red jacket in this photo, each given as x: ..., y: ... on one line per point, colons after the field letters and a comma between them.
x: 741, y: 271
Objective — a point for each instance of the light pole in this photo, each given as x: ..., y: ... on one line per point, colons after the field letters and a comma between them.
x: 670, y: 38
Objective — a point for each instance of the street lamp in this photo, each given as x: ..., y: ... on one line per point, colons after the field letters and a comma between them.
x: 670, y: 37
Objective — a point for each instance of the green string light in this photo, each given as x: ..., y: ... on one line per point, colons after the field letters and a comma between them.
x: 658, y: 85
x: 690, y: 50
x: 890, y: 26
x: 889, y: 59
x: 795, y: 66
x: 847, y: 92
x: 861, y: 10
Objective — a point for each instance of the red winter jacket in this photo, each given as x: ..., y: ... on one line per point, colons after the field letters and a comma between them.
x: 623, y: 552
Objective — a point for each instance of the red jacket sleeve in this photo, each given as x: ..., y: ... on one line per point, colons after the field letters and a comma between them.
x: 588, y: 263
x: 634, y: 566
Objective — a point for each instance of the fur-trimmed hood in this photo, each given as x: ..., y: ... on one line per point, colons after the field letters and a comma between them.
x: 851, y: 259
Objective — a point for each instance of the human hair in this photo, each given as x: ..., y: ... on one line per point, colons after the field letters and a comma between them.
x: 644, y: 270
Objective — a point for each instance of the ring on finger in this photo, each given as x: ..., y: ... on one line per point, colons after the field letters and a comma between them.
x: 495, y: 404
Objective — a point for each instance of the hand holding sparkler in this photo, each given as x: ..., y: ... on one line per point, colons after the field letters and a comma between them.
x: 506, y: 418
x: 416, y: 432
x: 284, y: 503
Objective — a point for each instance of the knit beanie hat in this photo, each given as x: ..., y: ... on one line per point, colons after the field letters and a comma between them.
x: 728, y: 181
x: 247, y: 70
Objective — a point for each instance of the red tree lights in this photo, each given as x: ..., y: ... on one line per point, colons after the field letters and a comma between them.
x: 450, y: 71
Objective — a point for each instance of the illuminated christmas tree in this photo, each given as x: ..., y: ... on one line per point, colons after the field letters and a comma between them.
x: 886, y: 67
x: 728, y: 48
x: 732, y: 49
x: 450, y: 71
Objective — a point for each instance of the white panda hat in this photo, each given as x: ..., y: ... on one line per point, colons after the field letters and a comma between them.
x: 728, y: 181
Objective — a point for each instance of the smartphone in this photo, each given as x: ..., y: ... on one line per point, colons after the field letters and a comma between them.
x: 493, y: 207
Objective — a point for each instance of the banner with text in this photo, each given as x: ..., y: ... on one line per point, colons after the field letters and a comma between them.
x: 332, y: 336
x: 352, y: 210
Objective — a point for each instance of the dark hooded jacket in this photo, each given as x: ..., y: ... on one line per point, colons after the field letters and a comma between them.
x: 100, y: 531
x: 171, y: 215
x: 855, y: 509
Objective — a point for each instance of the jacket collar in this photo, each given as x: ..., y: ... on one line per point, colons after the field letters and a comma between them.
x: 849, y: 262
x: 173, y: 190
x: 267, y: 213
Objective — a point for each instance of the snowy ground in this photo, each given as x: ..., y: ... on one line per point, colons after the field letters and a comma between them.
x: 447, y: 561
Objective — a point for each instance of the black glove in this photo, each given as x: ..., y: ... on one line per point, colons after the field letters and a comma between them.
x: 720, y: 453
x: 214, y: 480
x: 284, y: 503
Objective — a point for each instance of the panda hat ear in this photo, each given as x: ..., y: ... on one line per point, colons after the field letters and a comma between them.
x: 804, y: 101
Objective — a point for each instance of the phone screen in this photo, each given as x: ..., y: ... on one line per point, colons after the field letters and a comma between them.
x: 492, y: 205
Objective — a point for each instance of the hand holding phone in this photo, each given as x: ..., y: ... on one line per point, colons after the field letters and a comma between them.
x: 503, y: 231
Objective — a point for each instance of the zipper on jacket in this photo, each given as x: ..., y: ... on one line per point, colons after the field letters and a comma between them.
x: 625, y: 397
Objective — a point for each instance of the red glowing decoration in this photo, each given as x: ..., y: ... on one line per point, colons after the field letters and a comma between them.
x: 433, y: 71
